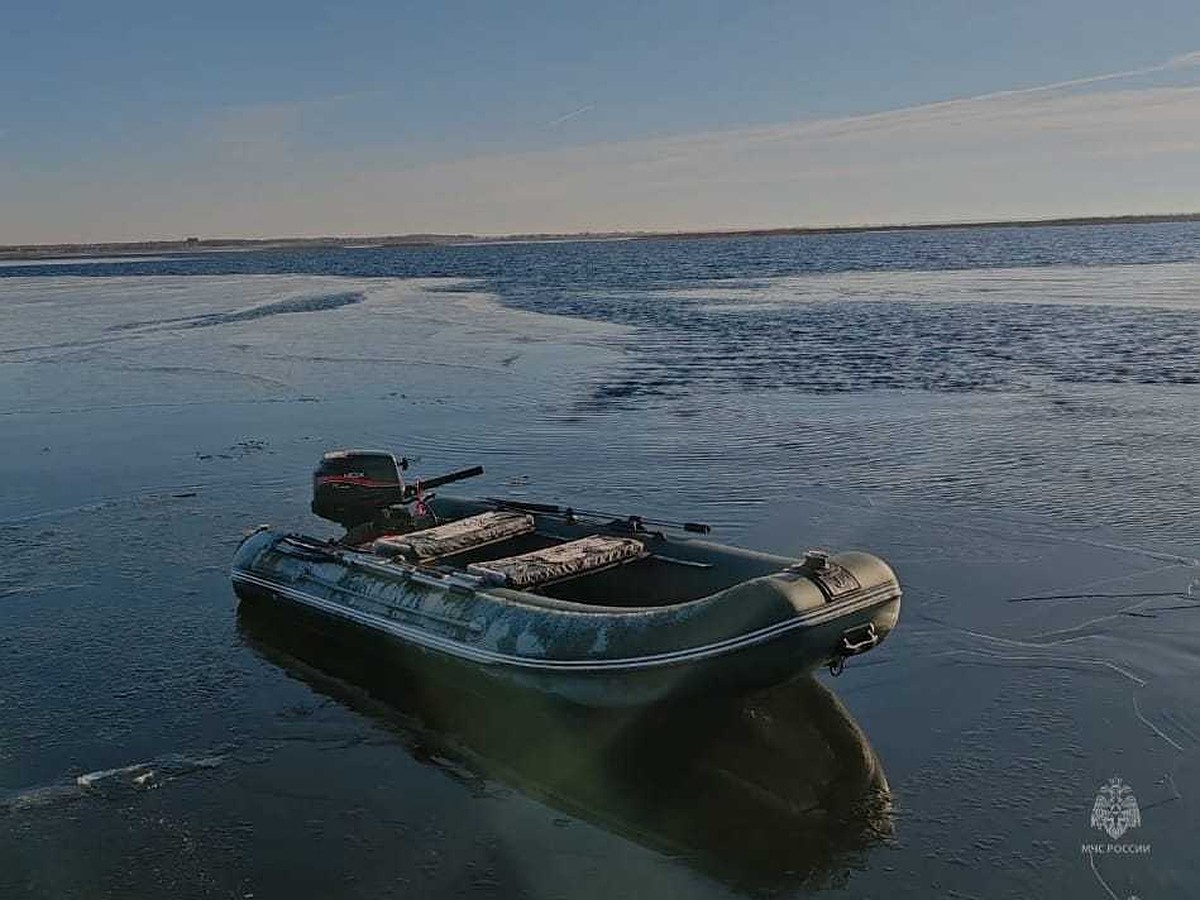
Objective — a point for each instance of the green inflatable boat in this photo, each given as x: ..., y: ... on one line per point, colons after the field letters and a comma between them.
x: 594, y: 609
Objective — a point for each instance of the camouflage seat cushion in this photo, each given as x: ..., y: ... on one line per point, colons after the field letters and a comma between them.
x: 455, y: 537
x: 569, y: 560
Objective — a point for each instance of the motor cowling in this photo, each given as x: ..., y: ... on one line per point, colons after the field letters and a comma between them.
x: 352, y: 487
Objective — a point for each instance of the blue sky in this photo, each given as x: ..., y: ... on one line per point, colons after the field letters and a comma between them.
x: 129, y: 120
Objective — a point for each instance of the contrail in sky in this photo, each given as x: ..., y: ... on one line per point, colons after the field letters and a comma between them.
x: 1175, y: 63
x: 570, y: 115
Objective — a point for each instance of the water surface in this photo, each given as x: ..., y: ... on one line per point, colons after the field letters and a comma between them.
x: 1004, y: 414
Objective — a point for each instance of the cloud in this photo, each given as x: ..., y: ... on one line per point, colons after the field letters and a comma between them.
x: 1015, y: 154
x: 1183, y: 61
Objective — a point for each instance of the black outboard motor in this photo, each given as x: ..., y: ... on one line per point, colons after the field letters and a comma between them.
x: 352, y: 487
x: 359, y: 487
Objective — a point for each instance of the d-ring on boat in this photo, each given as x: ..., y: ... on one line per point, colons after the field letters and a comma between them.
x: 598, y: 609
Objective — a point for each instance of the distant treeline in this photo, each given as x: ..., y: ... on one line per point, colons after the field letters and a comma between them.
x: 192, y: 244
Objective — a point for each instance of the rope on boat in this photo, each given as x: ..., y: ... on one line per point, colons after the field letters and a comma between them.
x: 570, y: 513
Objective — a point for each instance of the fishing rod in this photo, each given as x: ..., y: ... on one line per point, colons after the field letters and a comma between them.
x: 569, y: 513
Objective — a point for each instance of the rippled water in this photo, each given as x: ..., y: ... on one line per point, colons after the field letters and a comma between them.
x: 1003, y: 414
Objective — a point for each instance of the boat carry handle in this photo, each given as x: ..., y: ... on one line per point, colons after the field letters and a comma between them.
x: 852, y: 644
x: 856, y: 640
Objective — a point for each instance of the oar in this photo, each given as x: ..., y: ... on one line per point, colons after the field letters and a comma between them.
x: 568, y: 511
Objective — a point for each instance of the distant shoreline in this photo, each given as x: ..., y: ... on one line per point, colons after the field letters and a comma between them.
x: 198, y: 245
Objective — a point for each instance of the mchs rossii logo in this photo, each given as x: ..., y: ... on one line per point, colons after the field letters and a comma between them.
x: 1115, y: 812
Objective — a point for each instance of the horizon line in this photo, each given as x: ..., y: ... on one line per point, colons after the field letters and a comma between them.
x: 424, y: 238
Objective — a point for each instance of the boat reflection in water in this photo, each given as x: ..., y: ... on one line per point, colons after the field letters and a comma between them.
x: 776, y: 790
